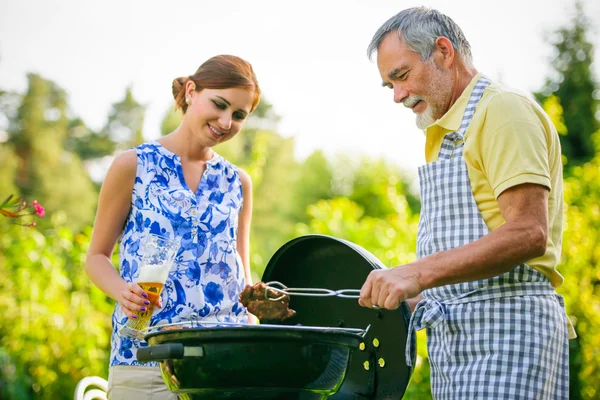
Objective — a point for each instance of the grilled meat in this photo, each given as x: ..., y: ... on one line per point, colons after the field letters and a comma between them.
x: 263, y: 307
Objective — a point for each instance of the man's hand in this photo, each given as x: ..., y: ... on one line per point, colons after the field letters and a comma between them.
x: 387, y: 288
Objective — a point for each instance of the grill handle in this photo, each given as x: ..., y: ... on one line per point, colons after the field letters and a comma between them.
x: 160, y: 352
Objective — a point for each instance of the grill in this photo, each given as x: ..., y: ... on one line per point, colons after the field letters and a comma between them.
x: 331, y: 349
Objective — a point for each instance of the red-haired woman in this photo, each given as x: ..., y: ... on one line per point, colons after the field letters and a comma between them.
x: 179, y: 187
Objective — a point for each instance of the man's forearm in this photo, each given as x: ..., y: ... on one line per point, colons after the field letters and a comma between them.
x: 492, y: 255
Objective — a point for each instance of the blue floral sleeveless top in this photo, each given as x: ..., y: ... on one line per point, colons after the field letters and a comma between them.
x: 207, y: 275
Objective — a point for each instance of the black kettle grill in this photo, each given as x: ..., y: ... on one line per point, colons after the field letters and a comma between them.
x: 331, y: 349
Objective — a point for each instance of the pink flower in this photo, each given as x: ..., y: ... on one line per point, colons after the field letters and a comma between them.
x: 15, y: 208
x: 38, y: 208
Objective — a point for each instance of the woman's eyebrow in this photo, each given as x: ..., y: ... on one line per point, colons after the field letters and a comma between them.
x: 225, y: 100
x: 229, y: 104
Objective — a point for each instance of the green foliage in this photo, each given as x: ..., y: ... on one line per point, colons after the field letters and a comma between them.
x: 378, y: 186
x: 392, y: 238
x: 579, y: 264
x: 574, y: 85
x: 581, y: 257
x: 55, y: 324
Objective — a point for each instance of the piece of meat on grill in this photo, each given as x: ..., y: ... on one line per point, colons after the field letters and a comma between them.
x: 170, y: 328
x: 254, y: 298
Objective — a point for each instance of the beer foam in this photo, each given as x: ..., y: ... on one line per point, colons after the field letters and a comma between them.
x: 154, y: 273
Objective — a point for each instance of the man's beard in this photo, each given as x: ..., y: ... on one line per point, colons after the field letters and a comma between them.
x: 439, y: 88
x: 426, y: 118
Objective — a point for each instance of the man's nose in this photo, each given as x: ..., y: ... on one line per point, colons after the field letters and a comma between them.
x: 399, y: 94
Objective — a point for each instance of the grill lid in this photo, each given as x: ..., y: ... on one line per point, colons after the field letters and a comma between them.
x: 378, y: 370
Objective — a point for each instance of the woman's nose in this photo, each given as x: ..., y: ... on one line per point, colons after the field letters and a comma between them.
x: 225, y: 122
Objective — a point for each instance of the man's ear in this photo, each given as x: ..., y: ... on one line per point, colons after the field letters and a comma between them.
x: 444, y: 52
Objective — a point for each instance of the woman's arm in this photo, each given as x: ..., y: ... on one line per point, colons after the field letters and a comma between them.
x: 243, y: 235
x: 113, y: 207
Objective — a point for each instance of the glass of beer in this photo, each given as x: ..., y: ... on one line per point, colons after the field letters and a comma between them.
x: 157, y: 257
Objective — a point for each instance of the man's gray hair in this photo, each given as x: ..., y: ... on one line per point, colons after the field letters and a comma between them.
x: 419, y: 27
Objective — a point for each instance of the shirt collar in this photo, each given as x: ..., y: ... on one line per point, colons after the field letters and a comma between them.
x: 453, y: 117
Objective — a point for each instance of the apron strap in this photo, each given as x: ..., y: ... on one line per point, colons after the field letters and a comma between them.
x: 476, y: 94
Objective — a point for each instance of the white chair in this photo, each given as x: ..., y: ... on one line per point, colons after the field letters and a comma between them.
x: 83, y: 390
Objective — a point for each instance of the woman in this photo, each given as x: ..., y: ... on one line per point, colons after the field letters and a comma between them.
x: 179, y: 187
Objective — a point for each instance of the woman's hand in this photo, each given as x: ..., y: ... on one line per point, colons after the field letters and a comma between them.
x: 133, y: 300
x: 252, y: 320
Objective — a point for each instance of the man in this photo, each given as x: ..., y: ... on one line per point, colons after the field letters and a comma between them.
x: 491, y: 221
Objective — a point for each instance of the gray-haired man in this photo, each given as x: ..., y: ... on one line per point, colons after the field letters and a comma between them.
x: 491, y: 221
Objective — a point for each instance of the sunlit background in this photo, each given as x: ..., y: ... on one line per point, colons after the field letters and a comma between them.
x: 328, y: 150
x: 310, y: 58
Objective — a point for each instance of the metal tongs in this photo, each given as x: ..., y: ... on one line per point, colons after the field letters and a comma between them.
x: 314, y: 292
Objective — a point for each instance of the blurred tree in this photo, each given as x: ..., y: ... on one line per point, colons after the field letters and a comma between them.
x: 264, y: 117
x: 45, y: 171
x: 86, y: 143
x: 8, y: 160
x: 377, y: 186
x: 574, y: 85
x: 315, y: 182
x: 8, y: 169
x: 274, y: 191
x: 126, y: 122
x: 9, y: 102
x: 171, y: 120
x: 269, y: 160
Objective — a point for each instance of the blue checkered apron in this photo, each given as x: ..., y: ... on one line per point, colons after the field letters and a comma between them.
x: 498, y: 338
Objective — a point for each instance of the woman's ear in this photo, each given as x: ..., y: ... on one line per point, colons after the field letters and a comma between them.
x: 190, y: 88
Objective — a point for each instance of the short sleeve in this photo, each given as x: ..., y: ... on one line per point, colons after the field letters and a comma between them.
x: 515, y: 150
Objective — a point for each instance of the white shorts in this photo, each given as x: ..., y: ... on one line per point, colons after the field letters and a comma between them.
x: 134, y: 382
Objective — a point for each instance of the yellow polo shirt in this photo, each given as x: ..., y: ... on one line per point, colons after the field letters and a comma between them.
x: 510, y: 141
